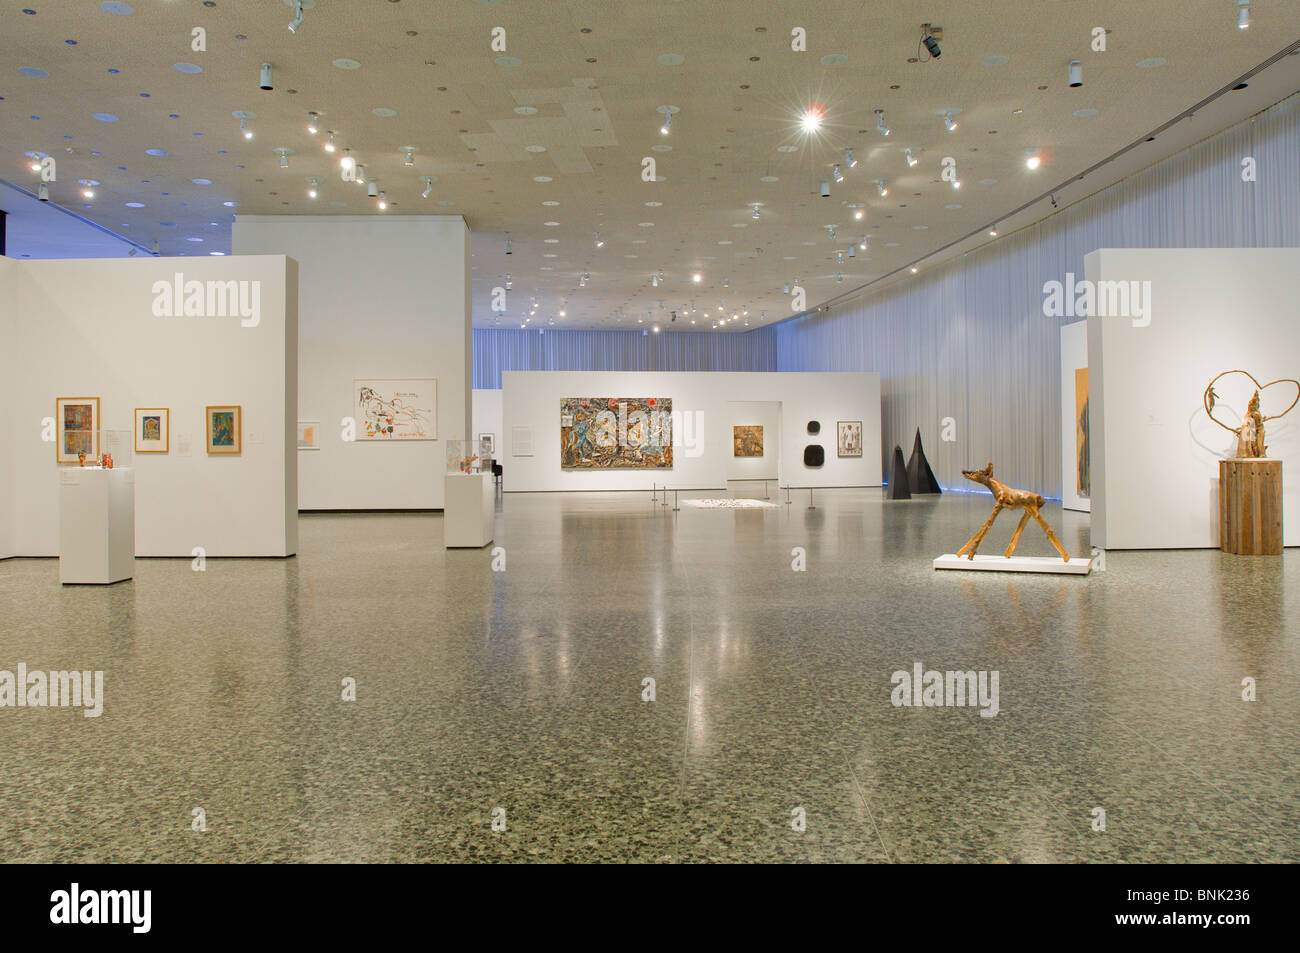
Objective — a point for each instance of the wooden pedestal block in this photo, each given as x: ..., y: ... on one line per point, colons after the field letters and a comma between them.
x: 1250, y: 507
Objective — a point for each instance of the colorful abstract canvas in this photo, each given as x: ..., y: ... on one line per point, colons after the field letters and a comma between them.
x: 747, y: 441
x: 1082, y: 469
x: 616, y: 433
x: 848, y: 440
x: 152, y: 430
x: 78, y: 428
x: 225, y: 429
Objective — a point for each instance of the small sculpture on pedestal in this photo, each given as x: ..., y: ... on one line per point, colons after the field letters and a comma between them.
x: 1250, y: 435
x: 81, y: 459
x: 106, y: 461
x: 1006, y: 498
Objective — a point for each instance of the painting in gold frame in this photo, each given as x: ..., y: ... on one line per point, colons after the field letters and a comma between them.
x: 153, y: 430
x: 747, y: 440
x: 78, y: 428
x: 224, y: 428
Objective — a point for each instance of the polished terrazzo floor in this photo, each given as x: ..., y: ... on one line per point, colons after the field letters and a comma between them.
x: 522, y: 690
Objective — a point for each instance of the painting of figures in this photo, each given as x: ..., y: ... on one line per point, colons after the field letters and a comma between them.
x: 616, y: 433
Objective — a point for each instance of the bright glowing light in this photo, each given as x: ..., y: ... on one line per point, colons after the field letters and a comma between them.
x: 812, y: 117
x: 1033, y: 162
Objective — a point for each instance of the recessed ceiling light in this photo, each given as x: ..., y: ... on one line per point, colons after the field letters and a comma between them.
x: 951, y: 207
x: 509, y: 61
x: 653, y: 204
x: 834, y: 59
x: 988, y: 181
x: 670, y: 59
x: 550, y: 224
x: 201, y: 181
x: 383, y: 112
x: 105, y: 117
x: 194, y: 239
x: 534, y: 148
x: 769, y: 178
x: 344, y: 63
x: 1151, y: 62
x: 995, y: 61
x: 1084, y: 113
x: 551, y: 241
x: 230, y: 204
x: 551, y: 202
x: 187, y: 68
x: 135, y: 205
x: 33, y: 72
x: 645, y: 224
x: 787, y: 148
x: 446, y: 202
x: 725, y: 241
x: 117, y: 9
x: 157, y: 153
x: 526, y: 110
x: 541, y: 178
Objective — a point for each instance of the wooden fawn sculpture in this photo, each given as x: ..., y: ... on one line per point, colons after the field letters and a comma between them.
x: 1005, y: 498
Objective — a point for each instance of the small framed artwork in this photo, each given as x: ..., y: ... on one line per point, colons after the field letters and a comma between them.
x: 78, y: 419
x: 225, y: 428
x: 488, y: 440
x: 849, y: 438
x: 309, y: 435
x: 153, y: 430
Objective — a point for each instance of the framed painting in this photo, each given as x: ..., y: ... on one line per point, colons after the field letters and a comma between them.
x: 488, y: 441
x: 389, y: 411
x: 153, y: 430
x: 309, y: 435
x: 747, y: 440
x: 78, y: 423
x: 848, y: 438
x: 1082, y: 453
x: 225, y: 428
x: 616, y: 433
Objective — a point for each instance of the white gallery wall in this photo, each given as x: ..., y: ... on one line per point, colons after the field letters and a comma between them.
x: 1155, y: 453
x: 487, y: 414
x: 8, y: 502
x: 532, y: 399
x: 1074, y: 357
x: 382, y: 298
x: 87, y: 328
x: 765, y: 414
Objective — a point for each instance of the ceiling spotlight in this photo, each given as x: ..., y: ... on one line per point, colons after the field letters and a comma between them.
x: 266, y: 77
x: 836, y: 174
x: 297, y: 19
x: 914, y: 269
x: 880, y: 123
x: 410, y: 157
x: 372, y: 188
x: 1033, y: 162
x: 654, y: 281
x: 428, y: 186
x: 839, y: 258
x: 667, y: 127
x: 508, y: 246
x: 911, y: 159
x: 853, y: 251
x: 329, y: 143
x: 154, y: 247
x: 313, y: 123
x: 243, y: 127
x: 863, y: 244
x: 360, y: 176
x: 785, y: 288
x: 509, y: 283
x: 993, y: 233
x: 849, y: 160
x: 562, y: 314
x: 36, y: 162
x: 599, y: 243
x: 956, y: 183
x: 949, y: 123
x: 826, y: 188
x: 661, y: 274
x: 697, y: 278
x: 1053, y: 197
x: 1243, y: 14
x: 859, y: 213
x: 1076, y: 74
x: 830, y: 232
x: 811, y: 119
x: 284, y: 156
x: 754, y: 213
x: 383, y: 201
x: 881, y: 190
x: 314, y: 190
x: 930, y: 36
x: 726, y: 283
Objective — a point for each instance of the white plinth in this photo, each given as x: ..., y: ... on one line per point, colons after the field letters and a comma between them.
x: 96, y: 525
x: 1075, y: 567
x: 469, y: 511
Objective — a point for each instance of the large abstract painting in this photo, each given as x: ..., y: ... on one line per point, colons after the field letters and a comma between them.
x: 396, y: 410
x: 616, y: 433
x: 747, y: 440
x: 1082, y: 469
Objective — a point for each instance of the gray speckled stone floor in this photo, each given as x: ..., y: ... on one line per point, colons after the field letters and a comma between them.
x: 522, y: 690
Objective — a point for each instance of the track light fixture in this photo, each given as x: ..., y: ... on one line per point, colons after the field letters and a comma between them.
x: 372, y: 188
x: 911, y: 159
x: 154, y: 247
x: 266, y: 77
x: 654, y: 281
x: 754, y: 213
x: 1076, y: 74
x: 383, y: 201
x: 1033, y: 162
x: 243, y: 127
x: 297, y: 19
x: 863, y: 244
x: 508, y: 252
x: 859, y: 213
x: 284, y: 156
x: 43, y: 192
x: 993, y: 232
x: 839, y: 258
x: 667, y: 126
x: 599, y: 243
x: 36, y: 165
x: 1243, y: 14
x: 509, y: 283
x: 849, y: 160
x: 1053, y: 198
x: 837, y: 174
x: 409, y: 157
x: 428, y: 186
x: 880, y: 123
x: 697, y: 277
x: 329, y: 143
x: 347, y: 164
x: 881, y: 189
x: 87, y: 193
x: 313, y: 123
x: 360, y: 175
x: 949, y: 123
x: 314, y: 189
x: 830, y: 232
x: 826, y: 188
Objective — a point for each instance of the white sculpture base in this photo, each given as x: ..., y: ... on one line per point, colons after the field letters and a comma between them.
x: 96, y: 525
x: 469, y: 511
x: 1075, y: 567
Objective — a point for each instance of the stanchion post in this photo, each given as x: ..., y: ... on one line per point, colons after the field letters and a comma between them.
x: 676, y: 508
x: 810, y: 499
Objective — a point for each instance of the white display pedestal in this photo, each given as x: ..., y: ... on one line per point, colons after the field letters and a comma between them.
x: 96, y: 525
x: 469, y: 513
x: 1077, y: 566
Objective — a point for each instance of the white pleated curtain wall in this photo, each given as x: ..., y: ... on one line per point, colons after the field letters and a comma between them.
x: 968, y: 341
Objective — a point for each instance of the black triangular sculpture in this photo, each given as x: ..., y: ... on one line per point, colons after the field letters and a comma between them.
x: 898, y: 486
x: 920, y: 478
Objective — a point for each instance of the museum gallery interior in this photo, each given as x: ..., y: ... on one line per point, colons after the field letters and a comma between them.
x: 665, y: 431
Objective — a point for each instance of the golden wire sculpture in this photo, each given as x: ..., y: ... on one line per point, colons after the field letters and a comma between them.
x: 1006, y: 498
x: 1250, y: 435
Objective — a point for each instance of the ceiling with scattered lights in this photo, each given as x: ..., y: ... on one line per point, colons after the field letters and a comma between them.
x: 542, y: 122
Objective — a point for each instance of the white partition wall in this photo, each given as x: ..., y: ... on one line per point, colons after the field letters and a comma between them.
x: 8, y: 293
x: 92, y: 328
x: 532, y: 400
x: 1154, y: 452
x: 382, y: 298
x: 756, y: 413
